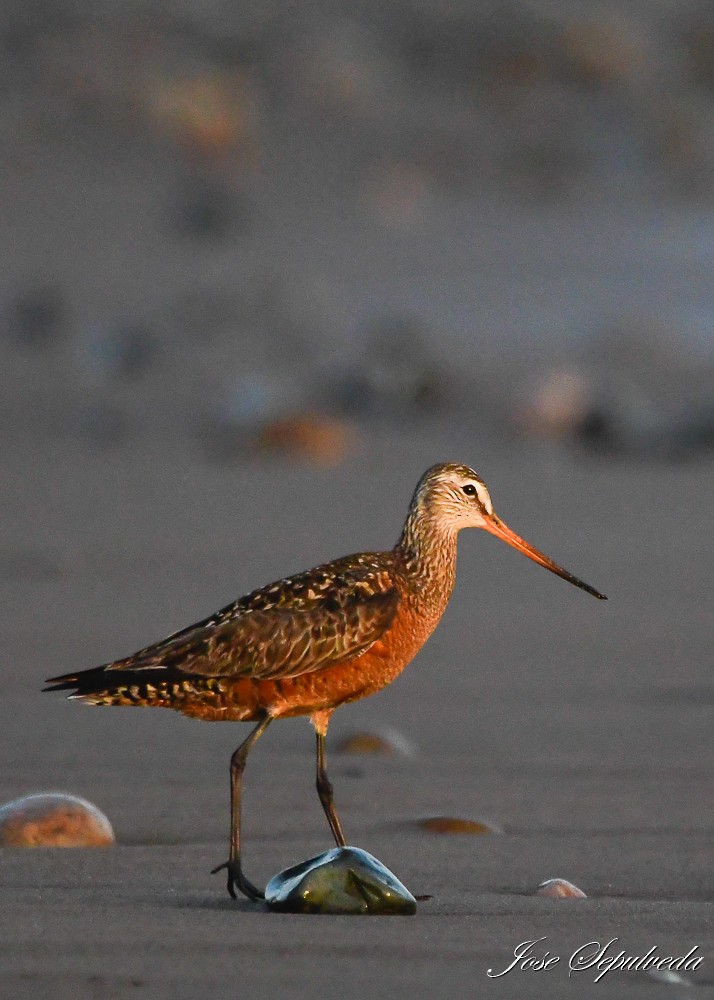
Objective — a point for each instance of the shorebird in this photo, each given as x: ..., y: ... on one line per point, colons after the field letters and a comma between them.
x: 312, y: 642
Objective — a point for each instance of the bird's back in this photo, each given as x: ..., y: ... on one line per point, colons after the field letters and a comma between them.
x: 236, y: 662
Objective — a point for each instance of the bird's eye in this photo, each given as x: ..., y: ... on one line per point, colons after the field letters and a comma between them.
x: 469, y: 489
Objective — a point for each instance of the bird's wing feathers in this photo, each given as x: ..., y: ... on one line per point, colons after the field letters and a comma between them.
x: 294, y: 627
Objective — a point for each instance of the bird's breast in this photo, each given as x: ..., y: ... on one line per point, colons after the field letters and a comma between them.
x: 246, y: 698
x: 349, y: 681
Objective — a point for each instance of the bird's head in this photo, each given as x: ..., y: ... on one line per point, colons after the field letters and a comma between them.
x: 455, y: 497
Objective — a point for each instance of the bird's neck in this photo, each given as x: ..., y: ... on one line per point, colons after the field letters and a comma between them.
x: 427, y: 553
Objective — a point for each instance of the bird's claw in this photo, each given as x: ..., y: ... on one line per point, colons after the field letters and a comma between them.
x: 237, y: 880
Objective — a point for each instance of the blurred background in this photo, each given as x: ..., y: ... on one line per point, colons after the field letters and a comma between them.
x: 258, y: 228
x: 262, y: 264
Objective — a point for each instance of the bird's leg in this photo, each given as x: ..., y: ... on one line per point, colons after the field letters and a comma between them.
x: 236, y: 878
x: 324, y: 788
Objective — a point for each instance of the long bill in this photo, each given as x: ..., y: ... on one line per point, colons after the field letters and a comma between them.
x: 495, y: 526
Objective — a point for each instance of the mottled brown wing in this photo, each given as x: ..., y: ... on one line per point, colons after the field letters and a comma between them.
x: 276, y: 641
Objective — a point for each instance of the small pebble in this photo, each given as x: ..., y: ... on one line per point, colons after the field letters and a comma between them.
x: 344, y: 880
x: 53, y: 819
x: 263, y: 413
x: 316, y: 437
x: 390, y: 744
x: 455, y: 824
x: 559, y: 888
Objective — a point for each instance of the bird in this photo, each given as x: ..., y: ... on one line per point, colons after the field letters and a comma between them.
x: 307, y: 644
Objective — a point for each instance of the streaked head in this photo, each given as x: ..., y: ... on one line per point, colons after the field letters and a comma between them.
x: 456, y: 497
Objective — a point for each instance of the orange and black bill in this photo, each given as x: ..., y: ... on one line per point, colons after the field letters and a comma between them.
x: 496, y: 527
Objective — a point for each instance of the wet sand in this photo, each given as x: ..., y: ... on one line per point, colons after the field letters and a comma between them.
x: 583, y: 729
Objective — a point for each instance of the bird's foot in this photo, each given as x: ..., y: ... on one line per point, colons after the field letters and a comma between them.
x: 237, y: 880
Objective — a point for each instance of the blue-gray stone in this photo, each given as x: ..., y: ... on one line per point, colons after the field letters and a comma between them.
x: 343, y: 880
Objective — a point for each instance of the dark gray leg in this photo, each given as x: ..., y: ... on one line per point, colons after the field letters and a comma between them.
x: 324, y: 790
x: 236, y: 878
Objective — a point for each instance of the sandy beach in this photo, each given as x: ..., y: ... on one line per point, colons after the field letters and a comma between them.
x: 581, y: 729
x: 221, y: 218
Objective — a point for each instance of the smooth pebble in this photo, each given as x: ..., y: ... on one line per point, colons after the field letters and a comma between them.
x: 456, y: 824
x: 559, y: 888
x: 53, y: 819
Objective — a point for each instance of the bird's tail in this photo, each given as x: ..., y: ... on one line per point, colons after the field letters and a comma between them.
x: 103, y: 686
